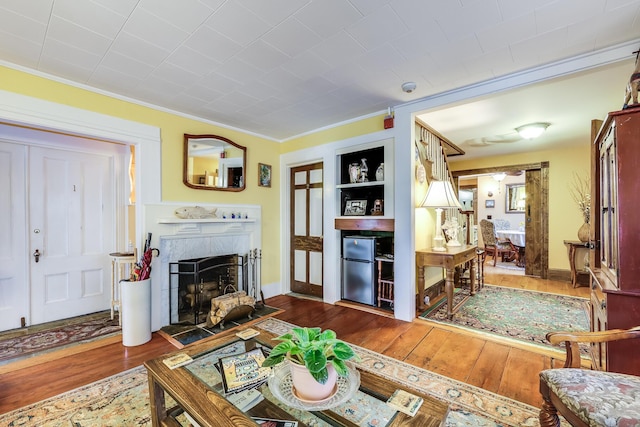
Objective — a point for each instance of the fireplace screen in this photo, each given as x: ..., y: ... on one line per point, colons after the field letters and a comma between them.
x: 194, y: 282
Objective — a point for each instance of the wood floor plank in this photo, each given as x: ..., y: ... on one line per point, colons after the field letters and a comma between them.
x: 427, y: 348
x: 521, y: 377
x: 456, y: 356
x: 488, y: 369
x: 407, y: 341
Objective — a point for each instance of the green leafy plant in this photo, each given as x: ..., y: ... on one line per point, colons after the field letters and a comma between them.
x: 314, y: 349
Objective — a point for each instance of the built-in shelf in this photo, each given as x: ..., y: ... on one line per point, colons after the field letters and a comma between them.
x: 370, y: 223
x: 202, y: 220
x: 360, y: 184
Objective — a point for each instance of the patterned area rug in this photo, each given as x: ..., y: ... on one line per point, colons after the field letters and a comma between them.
x: 77, y: 331
x: 124, y: 398
x: 515, y: 314
x: 509, y: 266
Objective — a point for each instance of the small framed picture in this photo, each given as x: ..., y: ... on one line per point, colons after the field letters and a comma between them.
x: 489, y: 203
x: 264, y: 175
x: 355, y: 207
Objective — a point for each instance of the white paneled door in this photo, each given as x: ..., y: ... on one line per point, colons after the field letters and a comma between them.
x: 71, y: 217
x: 306, y: 229
x: 14, y: 290
x: 59, y: 213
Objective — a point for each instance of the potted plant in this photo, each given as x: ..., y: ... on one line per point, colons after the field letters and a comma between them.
x: 316, y: 358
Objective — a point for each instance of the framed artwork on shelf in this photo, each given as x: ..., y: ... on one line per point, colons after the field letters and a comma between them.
x: 264, y: 175
x: 355, y: 207
x: 490, y: 203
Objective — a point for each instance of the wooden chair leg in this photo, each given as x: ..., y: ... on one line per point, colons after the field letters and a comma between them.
x: 548, y: 414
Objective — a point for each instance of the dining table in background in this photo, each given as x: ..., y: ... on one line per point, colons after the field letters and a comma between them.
x: 516, y: 237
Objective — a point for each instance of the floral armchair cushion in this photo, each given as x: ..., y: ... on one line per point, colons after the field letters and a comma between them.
x: 597, y: 398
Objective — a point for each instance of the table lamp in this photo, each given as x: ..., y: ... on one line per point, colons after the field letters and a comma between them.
x: 440, y: 195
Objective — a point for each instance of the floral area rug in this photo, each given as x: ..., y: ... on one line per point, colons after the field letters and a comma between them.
x: 123, y: 399
x: 515, y: 314
x: 44, y: 339
x: 509, y: 266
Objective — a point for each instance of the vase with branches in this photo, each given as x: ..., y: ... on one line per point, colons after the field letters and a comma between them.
x: 580, y: 191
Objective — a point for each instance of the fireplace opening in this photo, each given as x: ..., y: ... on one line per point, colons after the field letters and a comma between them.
x: 194, y: 282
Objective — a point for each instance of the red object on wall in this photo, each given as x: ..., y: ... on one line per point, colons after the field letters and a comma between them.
x: 388, y: 122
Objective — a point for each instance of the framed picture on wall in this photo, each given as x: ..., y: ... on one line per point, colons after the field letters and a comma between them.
x: 489, y: 203
x: 264, y: 175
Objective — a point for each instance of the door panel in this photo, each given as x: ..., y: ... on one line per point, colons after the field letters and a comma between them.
x: 533, y: 224
x: 306, y: 229
x: 14, y: 289
x: 71, y: 219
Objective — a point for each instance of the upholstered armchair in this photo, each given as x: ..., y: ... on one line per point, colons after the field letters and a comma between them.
x: 493, y: 246
x: 587, y: 397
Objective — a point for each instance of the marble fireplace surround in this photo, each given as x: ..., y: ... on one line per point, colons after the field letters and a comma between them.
x: 179, y: 239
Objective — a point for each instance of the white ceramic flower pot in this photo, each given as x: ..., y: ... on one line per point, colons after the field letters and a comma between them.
x: 136, y: 312
x: 307, y: 388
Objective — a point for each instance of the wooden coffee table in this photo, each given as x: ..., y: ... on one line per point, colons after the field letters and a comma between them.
x: 202, y: 399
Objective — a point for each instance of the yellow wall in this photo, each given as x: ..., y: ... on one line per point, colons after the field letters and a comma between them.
x: 338, y: 133
x: 564, y: 216
x: 172, y: 128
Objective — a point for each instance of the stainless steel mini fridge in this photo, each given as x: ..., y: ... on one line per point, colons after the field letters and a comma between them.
x: 358, y: 269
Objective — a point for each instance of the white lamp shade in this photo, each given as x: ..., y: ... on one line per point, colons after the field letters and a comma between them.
x: 441, y: 195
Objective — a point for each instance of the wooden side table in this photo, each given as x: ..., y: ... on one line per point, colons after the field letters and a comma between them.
x: 449, y: 260
x: 573, y: 246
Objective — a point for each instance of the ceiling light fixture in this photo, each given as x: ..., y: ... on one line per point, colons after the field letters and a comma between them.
x: 532, y: 130
x: 499, y: 176
x: 408, y: 87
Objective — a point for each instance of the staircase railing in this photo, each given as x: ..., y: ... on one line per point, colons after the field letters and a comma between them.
x: 434, y: 160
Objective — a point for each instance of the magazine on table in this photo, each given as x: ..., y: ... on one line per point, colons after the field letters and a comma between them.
x: 269, y: 422
x: 405, y: 402
x: 242, y: 371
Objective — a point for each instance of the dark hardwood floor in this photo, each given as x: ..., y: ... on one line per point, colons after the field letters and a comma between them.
x: 497, y: 367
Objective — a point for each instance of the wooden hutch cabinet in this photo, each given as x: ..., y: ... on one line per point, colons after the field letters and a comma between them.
x: 615, y: 276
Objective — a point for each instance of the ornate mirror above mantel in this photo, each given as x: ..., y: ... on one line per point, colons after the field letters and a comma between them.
x: 213, y: 162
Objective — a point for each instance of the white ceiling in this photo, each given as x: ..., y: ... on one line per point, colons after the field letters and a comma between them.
x: 486, y: 127
x: 281, y: 68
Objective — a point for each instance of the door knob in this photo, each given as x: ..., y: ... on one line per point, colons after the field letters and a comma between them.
x: 36, y: 255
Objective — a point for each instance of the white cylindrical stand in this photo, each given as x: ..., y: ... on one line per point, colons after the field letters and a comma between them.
x: 135, y: 312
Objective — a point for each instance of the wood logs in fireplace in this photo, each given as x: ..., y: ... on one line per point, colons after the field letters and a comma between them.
x: 195, y: 282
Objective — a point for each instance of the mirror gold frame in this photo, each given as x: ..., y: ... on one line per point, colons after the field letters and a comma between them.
x: 213, y: 162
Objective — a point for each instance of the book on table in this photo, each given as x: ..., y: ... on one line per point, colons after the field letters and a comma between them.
x: 242, y: 371
x: 177, y: 360
x: 269, y: 422
x: 405, y: 402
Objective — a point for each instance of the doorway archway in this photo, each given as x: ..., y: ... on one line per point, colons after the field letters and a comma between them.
x: 537, y: 211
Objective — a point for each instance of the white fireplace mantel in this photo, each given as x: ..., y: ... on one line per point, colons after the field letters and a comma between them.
x: 179, y: 239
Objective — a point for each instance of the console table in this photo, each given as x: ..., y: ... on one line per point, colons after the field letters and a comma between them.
x: 449, y: 260
x: 573, y: 246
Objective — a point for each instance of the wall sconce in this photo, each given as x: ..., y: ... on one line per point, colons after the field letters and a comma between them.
x: 532, y: 130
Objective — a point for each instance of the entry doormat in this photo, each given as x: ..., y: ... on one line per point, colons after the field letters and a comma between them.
x: 515, y: 314
x: 123, y: 399
x: 40, y: 339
